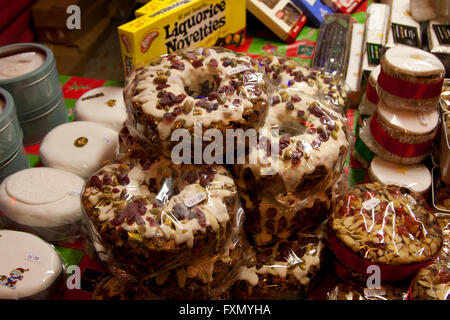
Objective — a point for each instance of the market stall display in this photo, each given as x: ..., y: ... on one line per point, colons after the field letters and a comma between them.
x: 160, y: 226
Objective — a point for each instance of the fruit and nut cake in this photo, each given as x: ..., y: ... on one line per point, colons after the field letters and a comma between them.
x: 213, y: 87
x: 150, y: 213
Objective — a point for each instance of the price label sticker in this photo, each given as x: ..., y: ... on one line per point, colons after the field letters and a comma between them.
x: 371, y: 203
x: 237, y: 69
x: 32, y: 257
x: 194, y: 199
x: 75, y: 193
x: 106, y: 140
x: 373, y: 292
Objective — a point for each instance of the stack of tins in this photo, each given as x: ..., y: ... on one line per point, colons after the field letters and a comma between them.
x: 12, y: 153
x: 28, y: 72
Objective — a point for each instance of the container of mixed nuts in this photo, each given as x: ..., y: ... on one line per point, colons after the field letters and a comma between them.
x: 387, y: 226
x: 440, y: 192
x: 444, y: 155
x: 432, y: 282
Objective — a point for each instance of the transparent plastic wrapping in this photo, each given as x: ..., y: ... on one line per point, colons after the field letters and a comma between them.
x: 333, y: 45
x: 444, y: 100
x: 111, y: 288
x: 302, y: 147
x: 390, y: 226
x: 410, y: 79
x: 270, y: 219
x: 361, y: 152
x: 432, y: 282
x: 30, y: 268
x: 287, y: 269
x: 206, y: 278
x: 146, y: 215
x: 436, y: 38
x: 444, y: 148
x: 351, y: 291
x: 194, y: 89
x: 393, y: 142
x: 369, y: 101
x: 287, y: 74
x: 440, y: 192
x: 444, y: 222
x: 43, y: 201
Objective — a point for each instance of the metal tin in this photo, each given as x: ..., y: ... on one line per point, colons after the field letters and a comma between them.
x: 37, y: 88
x: 435, y: 174
x: 444, y: 155
x: 19, y: 161
x: 11, y: 134
x: 38, y: 124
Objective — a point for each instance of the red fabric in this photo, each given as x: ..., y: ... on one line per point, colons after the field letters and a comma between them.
x: 404, y: 150
x: 409, y: 90
x: 371, y: 94
x: 10, y: 10
x: 360, y: 265
x: 16, y: 30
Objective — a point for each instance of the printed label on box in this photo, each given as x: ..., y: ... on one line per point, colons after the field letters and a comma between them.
x: 442, y: 33
x: 374, y: 53
x: 179, y: 25
x: 405, y: 35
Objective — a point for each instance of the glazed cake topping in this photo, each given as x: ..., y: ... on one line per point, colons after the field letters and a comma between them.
x: 310, y: 135
x: 20, y: 64
x: 421, y: 122
x: 387, y: 225
x: 104, y: 105
x: 288, y: 74
x: 42, y: 196
x: 413, y: 62
x: 154, y: 198
x: 80, y: 147
x: 202, y: 85
x: 416, y: 177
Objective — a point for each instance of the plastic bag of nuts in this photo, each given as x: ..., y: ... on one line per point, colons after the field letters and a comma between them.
x: 432, y: 282
x: 390, y: 226
x: 351, y: 291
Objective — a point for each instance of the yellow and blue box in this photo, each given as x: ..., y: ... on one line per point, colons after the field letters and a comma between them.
x: 164, y: 26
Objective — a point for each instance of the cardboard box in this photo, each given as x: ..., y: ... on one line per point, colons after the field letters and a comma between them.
x: 183, y: 24
x: 283, y: 17
x: 155, y: 6
x: 53, y: 13
x: 404, y: 30
x: 62, y: 35
x: 352, y: 80
x: 315, y: 10
x: 71, y: 60
x: 344, y: 6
